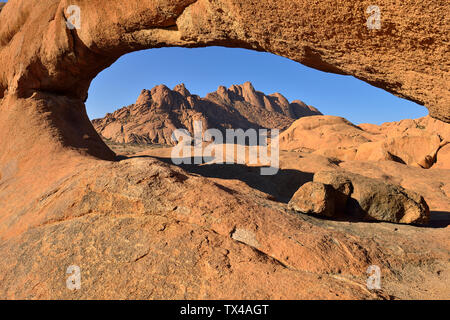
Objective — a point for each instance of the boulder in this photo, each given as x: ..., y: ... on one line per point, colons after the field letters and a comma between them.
x: 342, y: 185
x: 314, y: 198
x: 373, y: 199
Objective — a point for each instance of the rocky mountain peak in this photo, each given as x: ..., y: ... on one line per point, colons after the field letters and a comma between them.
x: 181, y: 89
x: 144, y: 98
x: 248, y: 87
x: 165, y: 110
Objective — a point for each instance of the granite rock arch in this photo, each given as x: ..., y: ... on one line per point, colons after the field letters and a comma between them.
x: 46, y: 68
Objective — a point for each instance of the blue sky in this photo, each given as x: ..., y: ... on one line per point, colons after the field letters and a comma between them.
x: 204, y: 69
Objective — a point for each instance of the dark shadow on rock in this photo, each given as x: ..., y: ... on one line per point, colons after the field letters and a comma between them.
x: 281, y: 186
x: 439, y: 219
x: 121, y: 158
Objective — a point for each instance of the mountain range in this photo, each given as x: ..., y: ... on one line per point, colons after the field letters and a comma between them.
x: 159, y: 111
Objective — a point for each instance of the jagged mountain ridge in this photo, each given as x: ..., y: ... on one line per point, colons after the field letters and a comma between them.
x: 159, y: 111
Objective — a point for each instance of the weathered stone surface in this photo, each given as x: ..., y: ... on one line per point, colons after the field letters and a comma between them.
x: 315, y: 198
x: 341, y: 184
x: 141, y: 229
x: 412, y: 150
x: 411, y: 142
x: 373, y: 199
x: 322, y: 132
x: 334, y: 193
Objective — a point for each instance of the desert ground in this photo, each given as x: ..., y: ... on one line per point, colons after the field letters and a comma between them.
x: 414, y: 257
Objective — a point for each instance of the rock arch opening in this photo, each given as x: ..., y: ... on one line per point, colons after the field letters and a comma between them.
x: 45, y: 75
x: 205, y: 70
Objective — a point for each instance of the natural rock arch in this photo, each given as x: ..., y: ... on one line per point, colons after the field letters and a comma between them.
x: 46, y: 68
x: 59, y: 207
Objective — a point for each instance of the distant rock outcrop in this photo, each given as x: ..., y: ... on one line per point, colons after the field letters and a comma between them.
x: 420, y: 143
x: 158, y: 112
